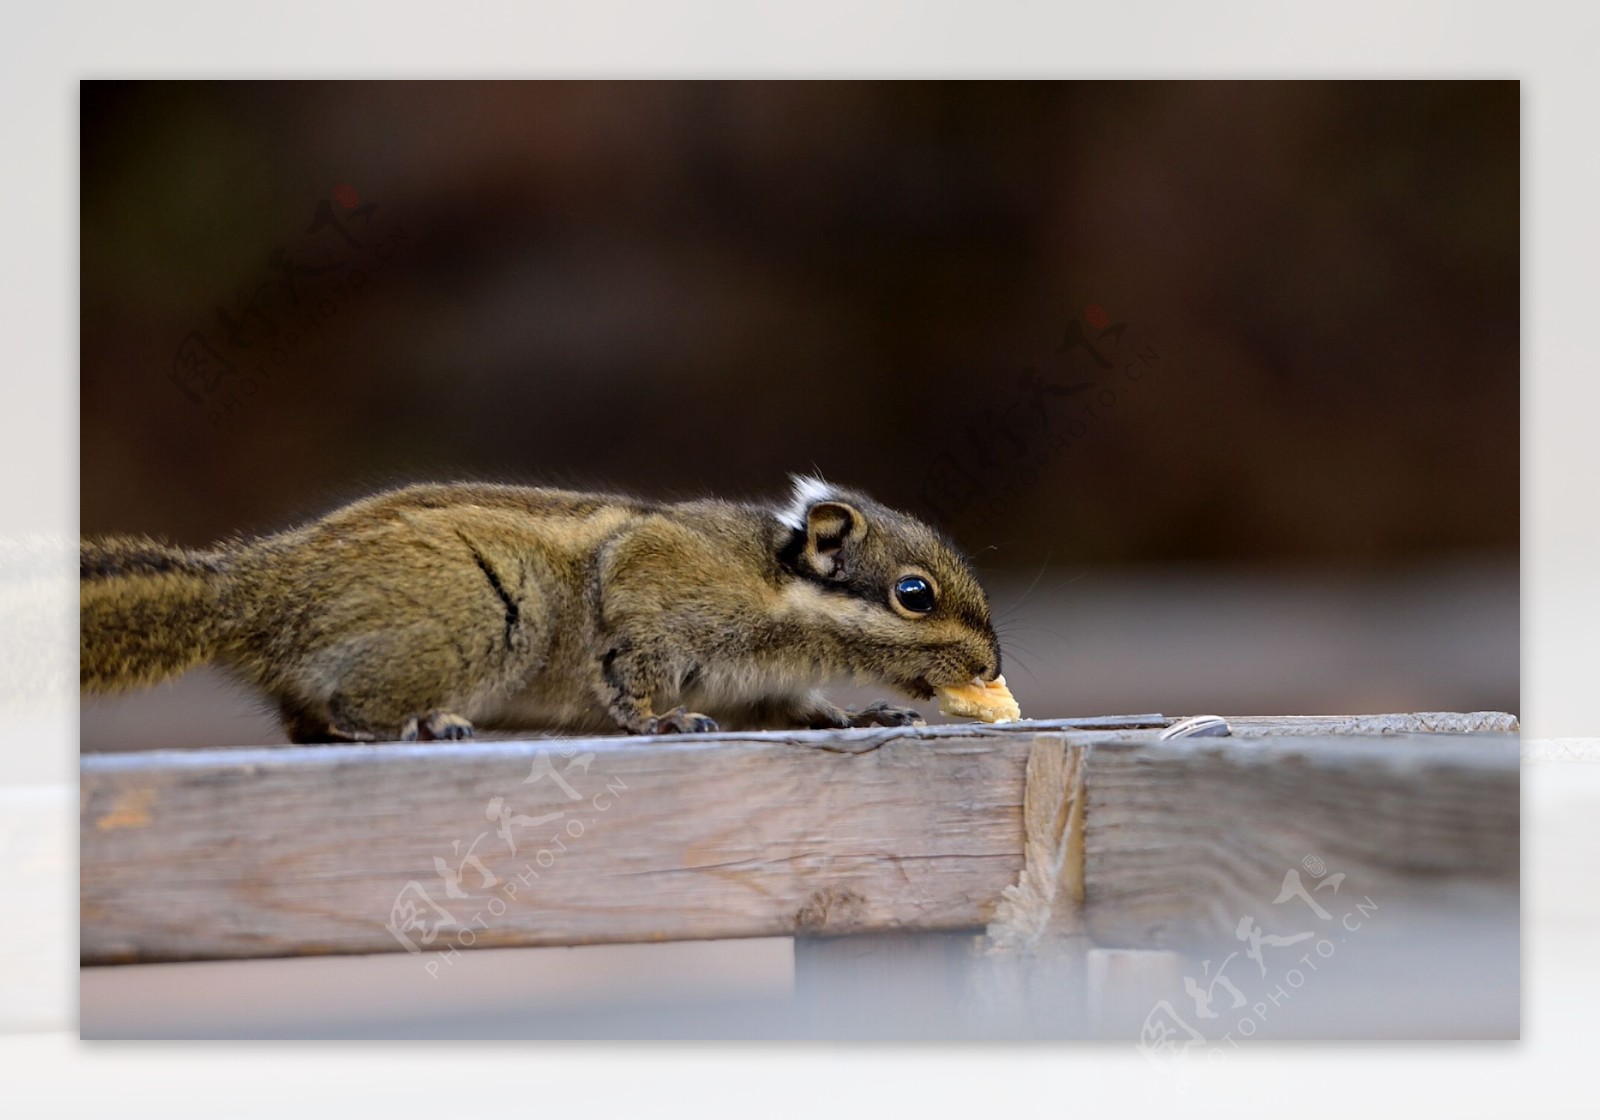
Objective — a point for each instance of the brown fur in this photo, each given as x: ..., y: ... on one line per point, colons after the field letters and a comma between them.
x: 424, y: 611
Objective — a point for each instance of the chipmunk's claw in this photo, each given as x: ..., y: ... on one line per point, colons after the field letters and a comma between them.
x: 681, y: 721
x: 881, y: 714
x: 435, y: 725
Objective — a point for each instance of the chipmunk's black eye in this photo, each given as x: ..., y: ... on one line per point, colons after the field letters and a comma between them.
x: 914, y: 594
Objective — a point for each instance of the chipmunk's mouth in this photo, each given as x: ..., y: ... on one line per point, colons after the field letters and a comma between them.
x: 923, y: 687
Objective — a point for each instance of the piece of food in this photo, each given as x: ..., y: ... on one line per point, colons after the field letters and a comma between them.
x: 991, y: 702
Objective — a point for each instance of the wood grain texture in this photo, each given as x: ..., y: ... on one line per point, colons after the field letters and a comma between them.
x: 1396, y: 723
x: 306, y: 850
x: 1047, y: 899
x: 359, y: 849
x: 1185, y: 839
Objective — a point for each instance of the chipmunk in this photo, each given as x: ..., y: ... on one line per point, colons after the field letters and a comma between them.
x: 431, y: 610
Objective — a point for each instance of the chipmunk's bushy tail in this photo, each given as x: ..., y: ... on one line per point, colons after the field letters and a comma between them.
x: 147, y: 611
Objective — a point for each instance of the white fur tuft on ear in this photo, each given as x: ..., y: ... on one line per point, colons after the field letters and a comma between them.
x: 808, y: 492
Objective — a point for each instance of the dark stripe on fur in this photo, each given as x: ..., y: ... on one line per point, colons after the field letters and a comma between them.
x: 513, y: 613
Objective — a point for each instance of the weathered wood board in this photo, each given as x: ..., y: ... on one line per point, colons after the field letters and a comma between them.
x: 1186, y: 839
x: 435, y: 847
x: 363, y: 849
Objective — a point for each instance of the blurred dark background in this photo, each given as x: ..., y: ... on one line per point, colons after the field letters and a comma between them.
x: 1291, y: 456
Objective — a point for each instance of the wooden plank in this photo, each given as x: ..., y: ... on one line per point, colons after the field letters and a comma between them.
x: 256, y: 853
x: 359, y: 849
x: 1187, y: 839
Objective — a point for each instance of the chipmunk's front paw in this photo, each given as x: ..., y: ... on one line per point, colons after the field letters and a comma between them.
x: 435, y: 725
x: 681, y: 721
x: 880, y: 714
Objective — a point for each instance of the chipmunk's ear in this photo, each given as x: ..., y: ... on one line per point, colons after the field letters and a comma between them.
x: 833, y: 529
x: 827, y: 527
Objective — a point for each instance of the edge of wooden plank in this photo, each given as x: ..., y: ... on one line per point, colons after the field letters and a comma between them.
x: 843, y: 741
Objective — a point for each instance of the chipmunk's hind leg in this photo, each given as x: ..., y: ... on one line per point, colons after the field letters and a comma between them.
x: 340, y: 721
x: 444, y: 622
x: 305, y: 724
